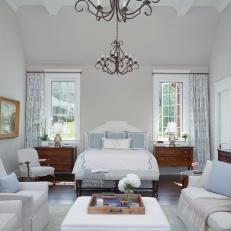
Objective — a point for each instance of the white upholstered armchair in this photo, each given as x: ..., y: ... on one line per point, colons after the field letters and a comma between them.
x: 10, y: 215
x: 30, y: 167
x: 34, y: 198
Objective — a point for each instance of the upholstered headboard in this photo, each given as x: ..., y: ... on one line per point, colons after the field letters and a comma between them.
x: 113, y: 126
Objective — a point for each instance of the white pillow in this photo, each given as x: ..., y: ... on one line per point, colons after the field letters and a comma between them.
x: 206, y: 173
x: 116, y: 143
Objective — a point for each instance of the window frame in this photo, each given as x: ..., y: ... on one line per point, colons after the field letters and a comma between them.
x: 64, y: 76
x: 170, y: 77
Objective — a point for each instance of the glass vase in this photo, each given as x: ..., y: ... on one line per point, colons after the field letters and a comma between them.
x: 129, y: 196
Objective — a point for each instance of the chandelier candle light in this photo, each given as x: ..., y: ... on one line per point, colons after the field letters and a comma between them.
x: 120, y: 8
x: 117, y: 62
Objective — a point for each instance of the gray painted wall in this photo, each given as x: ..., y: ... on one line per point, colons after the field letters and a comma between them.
x: 78, y: 39
x: 220, y: 63
x: 128, y: 98
x: 12, y: 79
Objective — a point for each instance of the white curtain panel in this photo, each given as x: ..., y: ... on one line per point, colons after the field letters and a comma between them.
x: 35, y: 106
x: 199, y: 117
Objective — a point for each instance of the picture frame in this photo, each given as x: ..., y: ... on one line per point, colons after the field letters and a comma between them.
x: 9, y: 118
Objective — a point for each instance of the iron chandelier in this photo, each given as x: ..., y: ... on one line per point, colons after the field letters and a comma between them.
x: 117, y: 62
x: 120, y: 8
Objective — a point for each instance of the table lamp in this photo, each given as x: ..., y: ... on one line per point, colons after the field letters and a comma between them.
x: 171, y: 130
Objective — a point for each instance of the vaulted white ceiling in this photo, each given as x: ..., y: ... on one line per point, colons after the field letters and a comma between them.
x: 53, y: 33
x: 181, y: 6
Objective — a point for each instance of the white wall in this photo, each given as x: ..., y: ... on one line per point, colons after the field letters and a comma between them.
x: 105, y: 97
x: 164, y: 38
x: 127, y: 98
x: 12, y: 79
x: 220, y: 63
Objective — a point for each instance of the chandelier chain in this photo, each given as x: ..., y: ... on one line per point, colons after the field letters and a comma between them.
x: 117, y: 62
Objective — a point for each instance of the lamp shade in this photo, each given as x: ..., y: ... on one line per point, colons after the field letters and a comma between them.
x: 171, y: 127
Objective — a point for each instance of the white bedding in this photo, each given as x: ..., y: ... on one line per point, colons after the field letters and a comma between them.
x: 116, y: 160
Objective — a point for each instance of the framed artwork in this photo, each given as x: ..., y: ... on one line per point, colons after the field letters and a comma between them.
x: 9, y: 118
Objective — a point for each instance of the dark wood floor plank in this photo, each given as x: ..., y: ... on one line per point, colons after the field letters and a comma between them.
x: 169, y: 193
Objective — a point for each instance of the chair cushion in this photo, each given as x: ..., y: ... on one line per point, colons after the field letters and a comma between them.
x: 9, y: 184
x: 41, y: 171
x: 193, y: 193
x: 220, y: 221
x: 28, y: 154
x: 220, y: 178
x: 39, y: 198
x: 8, y: 221
x: 206, y: 173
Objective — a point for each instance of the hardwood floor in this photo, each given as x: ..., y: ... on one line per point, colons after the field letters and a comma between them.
x: 169, y: 192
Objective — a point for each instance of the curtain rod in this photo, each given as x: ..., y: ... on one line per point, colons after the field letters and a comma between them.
x: 181, y: 73
x: 56, y: 72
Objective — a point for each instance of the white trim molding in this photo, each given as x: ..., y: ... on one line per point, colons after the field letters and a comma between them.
x: 68, y: 75
x: 172, y: 76
x: 182, y: 7
x: 220, y: 87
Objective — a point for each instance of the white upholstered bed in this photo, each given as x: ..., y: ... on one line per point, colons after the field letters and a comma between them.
x: 117, y: 163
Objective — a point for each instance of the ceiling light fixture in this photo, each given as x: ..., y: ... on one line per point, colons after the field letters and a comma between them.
x: 120, y: 8
x: 118, y: 62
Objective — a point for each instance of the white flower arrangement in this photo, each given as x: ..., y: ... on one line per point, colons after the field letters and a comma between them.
x: 129, y: 183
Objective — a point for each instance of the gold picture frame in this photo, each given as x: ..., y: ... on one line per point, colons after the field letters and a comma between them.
x: 9, y: 118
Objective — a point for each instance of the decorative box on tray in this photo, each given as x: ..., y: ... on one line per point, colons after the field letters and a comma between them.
x: 116, y: 204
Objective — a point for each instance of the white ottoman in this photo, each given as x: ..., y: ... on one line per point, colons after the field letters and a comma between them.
x: 77, y: 219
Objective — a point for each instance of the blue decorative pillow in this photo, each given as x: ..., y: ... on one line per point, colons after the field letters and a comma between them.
x: 9, y: 184
x: 95, y: 140
x: 137, y: 140
x: 116, y: 135
x: 220, y: 178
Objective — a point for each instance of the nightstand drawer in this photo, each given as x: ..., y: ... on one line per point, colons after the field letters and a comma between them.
x: 224, y: 156
x: 174, y: 156
x: 62, y: 159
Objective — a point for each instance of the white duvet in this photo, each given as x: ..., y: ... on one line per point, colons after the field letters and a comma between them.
x: 111, y: 159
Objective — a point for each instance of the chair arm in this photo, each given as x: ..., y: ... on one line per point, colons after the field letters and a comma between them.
x: 194, y: 181
x: 27, y: 163
x: 34, y: 186
x: 12, y: 207
x: 27, y: 202
x: 44, y: 161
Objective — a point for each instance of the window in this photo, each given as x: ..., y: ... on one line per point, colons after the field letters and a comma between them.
x: 170, y: 104
x: 63, y: 105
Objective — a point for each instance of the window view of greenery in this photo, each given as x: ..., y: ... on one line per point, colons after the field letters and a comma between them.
x: 63, y: 109
x: 170, y: 107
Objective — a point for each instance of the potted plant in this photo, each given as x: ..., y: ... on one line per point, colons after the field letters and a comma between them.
x: 44, y: 139
x: 185, y: 136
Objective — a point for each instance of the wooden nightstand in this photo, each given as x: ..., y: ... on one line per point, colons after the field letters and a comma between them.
x: 61, y: 158
x: 173, y: 156
x: 224, y: 155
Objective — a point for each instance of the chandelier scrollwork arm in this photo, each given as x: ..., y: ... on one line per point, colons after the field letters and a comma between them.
x: 122, y: 11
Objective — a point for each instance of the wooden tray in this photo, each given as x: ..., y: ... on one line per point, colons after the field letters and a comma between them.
x: 137, y: 206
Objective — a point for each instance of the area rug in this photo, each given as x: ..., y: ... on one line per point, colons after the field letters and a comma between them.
x: 58, y: 212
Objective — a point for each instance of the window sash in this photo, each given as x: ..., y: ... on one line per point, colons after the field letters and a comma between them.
x: 63, y: 76
x: 170, y: 78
